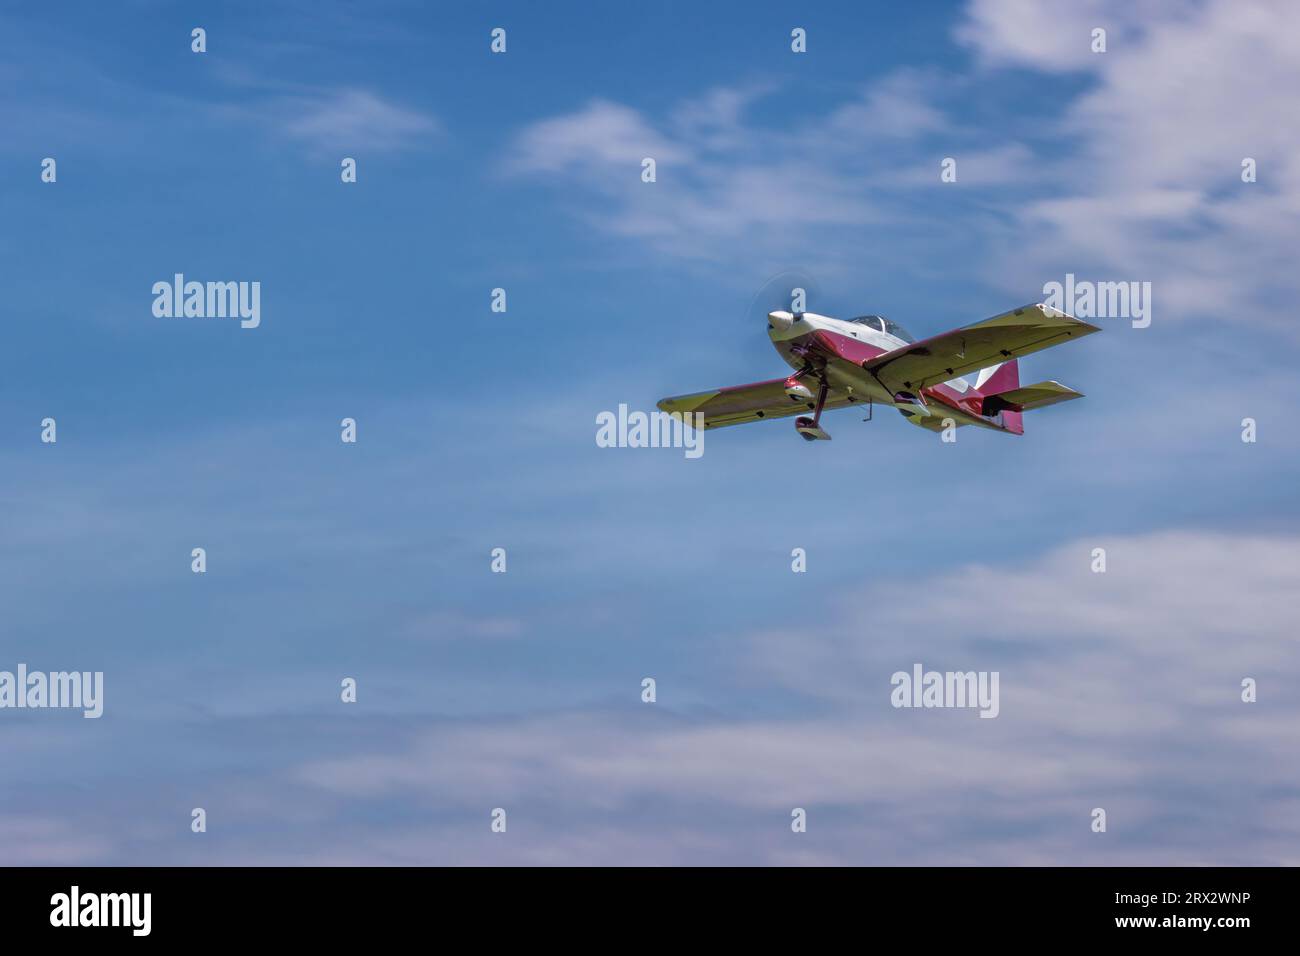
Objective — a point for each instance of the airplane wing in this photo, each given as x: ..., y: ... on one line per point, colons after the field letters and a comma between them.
x: 737, y: 404
x: 1003, y: 337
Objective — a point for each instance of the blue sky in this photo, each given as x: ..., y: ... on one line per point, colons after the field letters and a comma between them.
x: 476, y: 431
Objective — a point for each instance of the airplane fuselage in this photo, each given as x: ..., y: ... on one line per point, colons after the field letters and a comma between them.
x: 808, y: 338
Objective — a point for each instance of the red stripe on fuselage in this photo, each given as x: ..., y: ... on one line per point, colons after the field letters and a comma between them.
x: 845, y: 347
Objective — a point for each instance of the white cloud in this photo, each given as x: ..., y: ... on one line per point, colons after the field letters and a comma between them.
x: 1119, y: 690
x: 711, y: 187
x: 357, y: 118
x: 1149, y: 180
x: 1136, y: 177
x: 896, y: 107
x: 337, y: 119
x: 602, y: 139
x: 1052, y: 36
x: 1174, y: 610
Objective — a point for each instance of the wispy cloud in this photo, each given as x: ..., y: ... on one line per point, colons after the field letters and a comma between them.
x: 597, y: 139
x: 1119, y: 690
x: 721, y: 180
x: 1149, y: 184
x: 1115, y: 663
x: 353, y: 118
x: 347, y: 119
x: 1134, y: 176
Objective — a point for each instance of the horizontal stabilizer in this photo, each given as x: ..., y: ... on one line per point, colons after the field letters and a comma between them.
x: 1029, y: 397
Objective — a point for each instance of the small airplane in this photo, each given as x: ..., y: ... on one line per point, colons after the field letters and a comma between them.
x: 870, y: 360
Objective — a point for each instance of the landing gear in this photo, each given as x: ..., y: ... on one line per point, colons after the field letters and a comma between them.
x: 810, y: 428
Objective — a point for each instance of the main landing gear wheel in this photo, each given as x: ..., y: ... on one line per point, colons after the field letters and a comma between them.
x: 810, y: 428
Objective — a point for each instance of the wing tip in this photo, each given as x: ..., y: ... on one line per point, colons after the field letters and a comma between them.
x: 684, y: 403
x: 1055, y: 314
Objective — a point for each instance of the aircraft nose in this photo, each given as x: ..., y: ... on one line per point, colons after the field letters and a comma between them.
x: 780, y: 320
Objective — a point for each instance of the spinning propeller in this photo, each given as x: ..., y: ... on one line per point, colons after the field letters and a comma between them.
x: 788, y: 294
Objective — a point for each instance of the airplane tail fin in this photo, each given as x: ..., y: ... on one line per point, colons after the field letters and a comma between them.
x: 999, y: 378
x: 996, y: 380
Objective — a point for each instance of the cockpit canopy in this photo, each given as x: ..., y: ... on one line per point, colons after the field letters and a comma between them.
x: 882, y: 324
